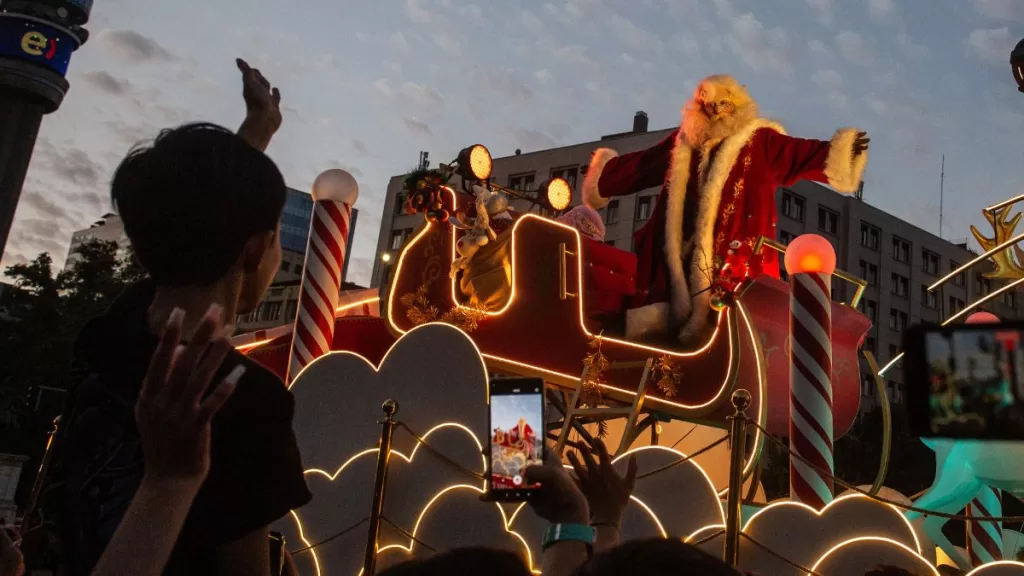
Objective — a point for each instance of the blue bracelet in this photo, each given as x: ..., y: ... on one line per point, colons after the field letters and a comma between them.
x: 569, y: 533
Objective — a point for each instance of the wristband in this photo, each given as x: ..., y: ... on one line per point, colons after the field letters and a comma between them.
x: 569, y: 533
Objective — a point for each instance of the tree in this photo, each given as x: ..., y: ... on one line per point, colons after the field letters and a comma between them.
x: 39, y: 321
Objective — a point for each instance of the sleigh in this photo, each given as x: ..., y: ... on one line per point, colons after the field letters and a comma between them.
x: 551, y: 297
x: 542, y: 298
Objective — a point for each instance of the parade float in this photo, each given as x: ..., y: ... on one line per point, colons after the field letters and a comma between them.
x: 481, y: 290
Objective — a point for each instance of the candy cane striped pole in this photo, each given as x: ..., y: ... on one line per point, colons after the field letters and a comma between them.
x: 810, y: 260
x: 334, y: 193
x: 985, y: 539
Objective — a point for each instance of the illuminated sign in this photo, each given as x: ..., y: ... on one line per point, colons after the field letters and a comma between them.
x: 36, y: 42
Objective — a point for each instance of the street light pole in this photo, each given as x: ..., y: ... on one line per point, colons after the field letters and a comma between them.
x: 37, y: 38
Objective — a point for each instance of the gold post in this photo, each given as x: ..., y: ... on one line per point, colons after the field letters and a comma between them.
x: 734, y: 500
x: 40, y: 481
x: 387, y: 428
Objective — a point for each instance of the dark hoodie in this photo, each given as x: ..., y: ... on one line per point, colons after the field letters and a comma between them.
x: 255, y: 475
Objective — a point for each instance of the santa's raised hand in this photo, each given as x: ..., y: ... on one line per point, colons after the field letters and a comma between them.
x: 860, y: 145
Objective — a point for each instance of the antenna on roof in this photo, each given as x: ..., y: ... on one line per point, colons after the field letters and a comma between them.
x: 942, y: 183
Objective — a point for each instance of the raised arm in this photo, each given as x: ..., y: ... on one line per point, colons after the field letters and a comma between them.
x: 612, y: 175
x: 839, y: 162
x: 262, y: 107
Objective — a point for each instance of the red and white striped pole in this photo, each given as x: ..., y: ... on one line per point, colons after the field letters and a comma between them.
x: 810, y: 261
x: 985, y: 539
x: 334, y: 193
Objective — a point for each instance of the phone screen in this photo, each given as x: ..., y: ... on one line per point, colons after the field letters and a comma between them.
x: 517, y: 435
x: 975, y: 382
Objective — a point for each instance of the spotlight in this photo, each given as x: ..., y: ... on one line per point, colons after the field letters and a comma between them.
x: 475, y: 163
x: 556, y: 193
x: 1017, y: 64
x: 386, y: 257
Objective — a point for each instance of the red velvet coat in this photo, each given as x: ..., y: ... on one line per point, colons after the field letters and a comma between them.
x: 710, y: 198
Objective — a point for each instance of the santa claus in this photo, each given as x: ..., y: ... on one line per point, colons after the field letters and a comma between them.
x: 718, y: 174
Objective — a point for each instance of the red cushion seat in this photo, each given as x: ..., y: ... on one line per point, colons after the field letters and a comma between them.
x: 609, y: 276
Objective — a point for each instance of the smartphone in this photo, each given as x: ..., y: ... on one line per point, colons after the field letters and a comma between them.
x: 516, y: 421
x: 965, y: 381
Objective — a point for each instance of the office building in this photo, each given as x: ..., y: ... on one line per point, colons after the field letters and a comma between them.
x: 898, y: 259
x: 280, y: 302
x: 899, y: 262
x: 109, y: 228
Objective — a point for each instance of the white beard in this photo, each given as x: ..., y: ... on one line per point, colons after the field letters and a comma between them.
x: 698, y: 129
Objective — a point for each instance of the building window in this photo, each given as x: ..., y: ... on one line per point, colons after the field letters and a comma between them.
x: 1010, y: 299
x: 867, y: 385
x: 929, y: 299
x: 982, y: 285
x: 828, y: 221
x: 567, y: 172
x: 869, y: 308
x: 869, y: 272
x: 286, y: 266
x: 793, y: 206
x: 894, y: 351
x: 960, y: 279
x: 291, y: 310
x: 900, y: 250
x: 270, y: 311
x: 400, y: 203
x: 955, y: 305
x: 929, y: 261
x: 900, y: 285
x: 522, y: 182
x: 612, y: 214
x: 894, y: 392
x: 869, y: 345
x: 897, y: 320
x: 785, y: 238
x: 397, y: 237
x: 643, y: 207
x: 869, y: 236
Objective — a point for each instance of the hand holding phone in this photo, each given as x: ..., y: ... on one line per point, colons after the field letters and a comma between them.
x: 516, y: 424
x: 559, y: 499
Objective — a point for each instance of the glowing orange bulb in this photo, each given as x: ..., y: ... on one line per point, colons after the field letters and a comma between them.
x: 982, y: 318
x: 810, y: 253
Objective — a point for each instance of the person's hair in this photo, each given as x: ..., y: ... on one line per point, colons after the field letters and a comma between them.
x: 192, y: 199
x: 463, y: 562
x: 889, y: 571
x: 655, y: 557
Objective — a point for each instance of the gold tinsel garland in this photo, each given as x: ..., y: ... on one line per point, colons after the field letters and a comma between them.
x: 669, y: 376
x: 595, y: 365
x: 419, y: 310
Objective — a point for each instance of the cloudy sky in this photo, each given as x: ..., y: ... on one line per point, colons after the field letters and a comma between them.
x: 368, y: 84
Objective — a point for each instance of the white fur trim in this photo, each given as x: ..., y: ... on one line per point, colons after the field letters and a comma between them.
x: 591, y: 194
x: 713, y: 177
x: 647, y: 320
x: 676, y: 181
x: 844, y: 170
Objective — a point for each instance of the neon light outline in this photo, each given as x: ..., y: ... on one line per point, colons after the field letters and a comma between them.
x: 879, y: 539
x: 978, y: 570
